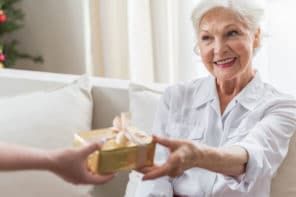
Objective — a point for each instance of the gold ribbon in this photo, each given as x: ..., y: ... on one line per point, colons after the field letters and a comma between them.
x: 121, y: 125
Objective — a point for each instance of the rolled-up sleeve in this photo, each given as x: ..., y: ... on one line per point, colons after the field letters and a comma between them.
x: 160, y: 187
x: 267, y: 144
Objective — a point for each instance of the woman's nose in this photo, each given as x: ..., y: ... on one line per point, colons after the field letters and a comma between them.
x: 219, y: 47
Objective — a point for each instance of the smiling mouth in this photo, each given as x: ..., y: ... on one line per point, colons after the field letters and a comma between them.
x: 225, y: 63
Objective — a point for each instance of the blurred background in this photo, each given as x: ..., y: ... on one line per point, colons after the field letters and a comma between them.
x: 139, y: 40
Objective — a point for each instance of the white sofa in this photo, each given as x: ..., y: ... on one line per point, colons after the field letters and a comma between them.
x: 110, y: 97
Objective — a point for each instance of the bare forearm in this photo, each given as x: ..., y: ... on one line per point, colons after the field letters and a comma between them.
x: 13, y: 157
x: 230, y: 161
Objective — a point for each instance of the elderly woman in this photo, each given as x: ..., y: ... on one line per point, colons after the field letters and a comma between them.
x: 227, y: 134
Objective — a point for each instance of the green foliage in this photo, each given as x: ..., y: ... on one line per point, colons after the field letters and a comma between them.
x: 12, y: 54
x: 14, y: 22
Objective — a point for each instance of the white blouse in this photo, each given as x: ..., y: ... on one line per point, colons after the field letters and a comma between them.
x: 259, y: 118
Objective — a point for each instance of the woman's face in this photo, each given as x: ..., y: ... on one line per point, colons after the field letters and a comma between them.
x: 226, y: 44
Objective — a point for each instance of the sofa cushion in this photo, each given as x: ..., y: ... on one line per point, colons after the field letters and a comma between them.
x: 143, y: 101
x: 46, y: 120
x: 284, y: 183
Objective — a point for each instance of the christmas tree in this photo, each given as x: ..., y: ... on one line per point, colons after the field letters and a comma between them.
x: 11, y: 19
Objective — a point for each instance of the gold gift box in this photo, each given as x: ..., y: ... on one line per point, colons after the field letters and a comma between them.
x: 112, y: 157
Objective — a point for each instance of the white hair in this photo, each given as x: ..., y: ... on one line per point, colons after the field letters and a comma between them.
x: 251, y: 11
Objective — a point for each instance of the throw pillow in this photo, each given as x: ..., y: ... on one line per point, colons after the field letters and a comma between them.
x: 45, y: 120
x: 144, y: 100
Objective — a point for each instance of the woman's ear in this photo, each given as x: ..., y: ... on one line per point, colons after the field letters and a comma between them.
x: 196, y: 50
x: 257, y: 39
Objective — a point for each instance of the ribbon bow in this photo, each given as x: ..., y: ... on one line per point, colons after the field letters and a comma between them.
x: 121, y: 125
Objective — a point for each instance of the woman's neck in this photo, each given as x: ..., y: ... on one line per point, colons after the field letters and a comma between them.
x: 228, y: 89
x: 233, y: 86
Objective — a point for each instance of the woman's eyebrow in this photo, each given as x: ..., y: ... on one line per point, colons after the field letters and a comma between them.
x: 204, y: 30
x: 230, y: 25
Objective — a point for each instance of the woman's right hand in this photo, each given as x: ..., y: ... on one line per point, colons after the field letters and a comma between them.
x: 183, y: 155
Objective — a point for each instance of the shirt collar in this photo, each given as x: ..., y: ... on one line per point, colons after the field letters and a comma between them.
x: 205, y: 92
x: 248, y: 97
x: 251, y: 94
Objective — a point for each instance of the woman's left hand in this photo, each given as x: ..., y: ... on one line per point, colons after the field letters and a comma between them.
x: 182, y: 157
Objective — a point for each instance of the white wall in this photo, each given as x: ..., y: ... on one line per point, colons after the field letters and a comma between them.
x: 56, y: 30
x: 282, y: 45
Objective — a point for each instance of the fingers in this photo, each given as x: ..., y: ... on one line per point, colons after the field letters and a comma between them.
x: 100, y: 179
x: 88, y: 149
x: 157, y: 172
x: 165, y: 170
x: 145, y: 170
x: 171, y: 144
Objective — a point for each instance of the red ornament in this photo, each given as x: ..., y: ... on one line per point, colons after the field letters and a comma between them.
x: 3, y: 17
x: 2, y: 57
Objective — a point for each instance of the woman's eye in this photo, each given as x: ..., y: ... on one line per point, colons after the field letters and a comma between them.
x: 205, y: 38
x: 232, y: 33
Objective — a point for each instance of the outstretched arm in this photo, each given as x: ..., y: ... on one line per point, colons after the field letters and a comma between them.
x: 69, y: 163
x: 184, y: 155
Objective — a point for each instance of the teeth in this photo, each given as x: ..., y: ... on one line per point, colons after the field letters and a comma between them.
x: 225, y: 61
